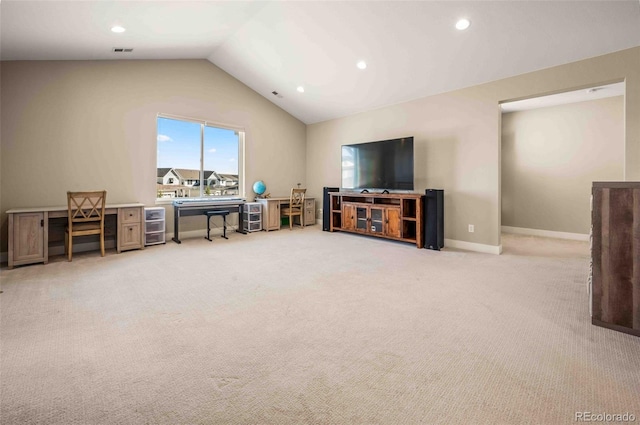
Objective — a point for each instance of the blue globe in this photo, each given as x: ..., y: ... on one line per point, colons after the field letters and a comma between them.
x: 259, y: 187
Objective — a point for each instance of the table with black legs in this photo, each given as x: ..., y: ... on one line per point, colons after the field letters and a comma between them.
x: 191, y: 207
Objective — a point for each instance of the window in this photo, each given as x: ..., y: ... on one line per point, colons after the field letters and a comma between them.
x: 198, y: 159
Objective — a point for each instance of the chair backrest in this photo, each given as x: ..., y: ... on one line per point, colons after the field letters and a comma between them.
x: 297, y: 197
x: 86, y: 206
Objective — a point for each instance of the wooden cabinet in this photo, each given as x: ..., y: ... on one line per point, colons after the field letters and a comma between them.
x: 309, y: 212
x: 369, y: 219
x: 615, y: 256
x: 270, y: 213
x: 27, y: 241
x: 130, y: 229
x: 29, y: 230
x: 393, y: 216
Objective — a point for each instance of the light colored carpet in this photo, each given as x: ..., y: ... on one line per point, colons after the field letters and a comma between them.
x: 310, y: 327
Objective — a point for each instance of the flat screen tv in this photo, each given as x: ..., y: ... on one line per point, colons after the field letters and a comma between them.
x: 385, y: 164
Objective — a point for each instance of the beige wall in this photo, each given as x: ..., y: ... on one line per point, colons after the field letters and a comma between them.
x: 74, y: 125
x: 457, y: 138
x: 550, y: 157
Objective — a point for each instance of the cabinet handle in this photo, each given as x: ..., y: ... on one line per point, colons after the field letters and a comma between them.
x: 41, y: 223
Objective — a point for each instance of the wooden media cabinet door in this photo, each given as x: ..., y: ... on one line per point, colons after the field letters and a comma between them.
x: 393, y: 223
x: 348, y: 217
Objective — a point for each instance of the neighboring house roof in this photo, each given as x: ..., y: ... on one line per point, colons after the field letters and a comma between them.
x: 187, y: 174
x: 163, y: 171
x: 229, y: 176
x: 208, y: 176
x: 214, y: 176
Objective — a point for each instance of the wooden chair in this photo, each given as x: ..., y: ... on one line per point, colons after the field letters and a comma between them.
x: 85, y: 217
x: 296, y: 207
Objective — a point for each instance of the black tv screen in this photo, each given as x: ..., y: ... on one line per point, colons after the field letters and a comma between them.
x: 386, y: 164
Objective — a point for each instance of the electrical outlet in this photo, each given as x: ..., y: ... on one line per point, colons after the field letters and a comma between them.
x: 471, y: 228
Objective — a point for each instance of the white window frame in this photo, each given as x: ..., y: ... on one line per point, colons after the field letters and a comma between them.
x: 203, y: 123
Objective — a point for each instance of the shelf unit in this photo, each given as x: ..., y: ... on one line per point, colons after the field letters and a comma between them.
x: 395, y: 216
x: 154, y: 226
x: 252, y: 217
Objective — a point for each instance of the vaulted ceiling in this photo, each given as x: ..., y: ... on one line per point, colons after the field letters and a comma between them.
x: 412, y: 48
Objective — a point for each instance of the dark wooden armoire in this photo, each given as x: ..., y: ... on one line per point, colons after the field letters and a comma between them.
x: 615, y: 256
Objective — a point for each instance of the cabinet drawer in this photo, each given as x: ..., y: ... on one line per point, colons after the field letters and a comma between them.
x: 153, y: 238
x: 130, y: 215
x: 252, y: 217
x: 154, y: 214
x: 154, y: 226
x: 252, y: 227
x: 130, y: 236
x: 252, y: 207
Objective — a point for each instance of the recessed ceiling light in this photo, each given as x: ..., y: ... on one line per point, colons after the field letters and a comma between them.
x: 118, y: 29
x: 300, y: 89
x: 361, y: 64
x: 463, y: 24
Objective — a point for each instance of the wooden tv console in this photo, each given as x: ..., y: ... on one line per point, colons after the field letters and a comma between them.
x: 395, y: 216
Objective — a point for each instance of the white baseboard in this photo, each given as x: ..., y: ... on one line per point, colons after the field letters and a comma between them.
x: 545, y: 233
x: 472, y: 246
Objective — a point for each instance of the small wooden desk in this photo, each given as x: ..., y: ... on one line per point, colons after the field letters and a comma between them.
x: 29, y: 231
x: 271, y: 211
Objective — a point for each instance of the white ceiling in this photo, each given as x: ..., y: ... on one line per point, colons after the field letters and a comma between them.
x: 574, y: 96
x: 411, y: 47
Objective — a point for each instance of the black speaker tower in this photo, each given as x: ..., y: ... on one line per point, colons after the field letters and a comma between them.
x: 434, y: 219
x: 326, y: 206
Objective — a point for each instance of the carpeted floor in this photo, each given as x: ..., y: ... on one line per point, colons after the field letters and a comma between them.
x: 310, y: 327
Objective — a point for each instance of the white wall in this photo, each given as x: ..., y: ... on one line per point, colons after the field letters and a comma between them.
x: 550, y: 157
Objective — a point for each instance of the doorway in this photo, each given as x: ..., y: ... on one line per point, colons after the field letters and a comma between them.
x: 552, y: 149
